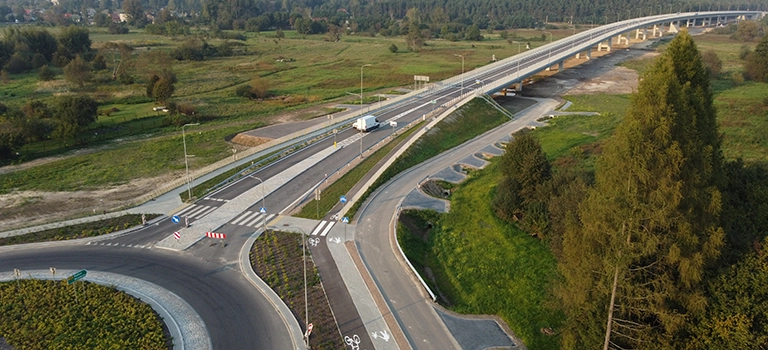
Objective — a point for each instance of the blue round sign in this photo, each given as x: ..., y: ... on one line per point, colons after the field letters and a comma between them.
x: 175, y: 219
x: 343, y: 199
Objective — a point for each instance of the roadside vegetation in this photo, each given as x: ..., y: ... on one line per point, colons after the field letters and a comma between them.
x: 553, y: 208
x: 277, y: 258
x: 53, y: 315
x: 89, y: 229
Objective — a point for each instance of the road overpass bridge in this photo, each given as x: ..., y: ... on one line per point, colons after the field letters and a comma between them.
x: 514, y: 70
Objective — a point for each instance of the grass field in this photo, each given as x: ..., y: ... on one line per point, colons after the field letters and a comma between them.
x: 485, y: 266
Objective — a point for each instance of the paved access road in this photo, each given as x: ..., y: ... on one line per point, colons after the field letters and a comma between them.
x: 219, y: 293
x: 405, y: 296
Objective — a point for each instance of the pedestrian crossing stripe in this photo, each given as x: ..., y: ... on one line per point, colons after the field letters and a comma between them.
x: 318, y: 228
x: 251, y: 218
x: 327, y: 228
x: 196, y: 211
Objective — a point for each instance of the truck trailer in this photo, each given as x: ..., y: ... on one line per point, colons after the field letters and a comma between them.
x: 366, y: 123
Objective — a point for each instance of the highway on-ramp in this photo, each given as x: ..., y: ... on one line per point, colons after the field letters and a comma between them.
x: 405, y: 297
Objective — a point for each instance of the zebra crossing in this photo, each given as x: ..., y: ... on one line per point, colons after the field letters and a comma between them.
x: 323, y: 228
x: 350, y: 140
x: 251, y: 218
x: 216, y: 199
x: 120, y: 245
x: 196, y: 211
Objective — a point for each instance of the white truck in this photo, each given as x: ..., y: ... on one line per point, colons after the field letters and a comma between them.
x: 366, y: 123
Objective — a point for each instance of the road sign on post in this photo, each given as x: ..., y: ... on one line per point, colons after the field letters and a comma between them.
x: 343, y: 199
x: 76, y: 277
x: 263, y: 210
x: 175, y: 219
x: 309, y: 330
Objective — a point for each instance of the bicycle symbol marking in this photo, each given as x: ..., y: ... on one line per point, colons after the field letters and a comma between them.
x: 314, y: 241
x: 354, y: 342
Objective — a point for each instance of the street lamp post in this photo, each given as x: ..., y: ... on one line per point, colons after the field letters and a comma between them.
x: 629, y: 14
x: 550, y: 36
x: 518, y: 46
x: 361, y: 106
x: 462, y: 74
x: 186, y: 162
x: 304, y: 258
x: 263, y: 196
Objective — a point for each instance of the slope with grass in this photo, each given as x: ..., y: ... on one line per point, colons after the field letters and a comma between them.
x: 484, y: 266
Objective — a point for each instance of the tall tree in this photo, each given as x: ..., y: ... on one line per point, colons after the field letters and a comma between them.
x: 77, y: 71
x: 73, y: 113
x: 524, y: 168
x: 74, y: 40
x: 756, y: 64
x: 649, y: 226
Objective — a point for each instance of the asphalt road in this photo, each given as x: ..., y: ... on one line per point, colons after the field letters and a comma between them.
x: 407, y: 299
x: 219, y: 294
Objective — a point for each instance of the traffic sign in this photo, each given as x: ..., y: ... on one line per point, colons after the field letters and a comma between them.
x: 393, y: 124
x: 177, y: 235
x: 345, y: 220
x: 216, y: 235
x: 175, y: 219
x: 263, y: 210
x: 343, y: 199
x: 76, y: 277
x: 309, y: 330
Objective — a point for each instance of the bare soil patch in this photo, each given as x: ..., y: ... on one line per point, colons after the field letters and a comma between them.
x: 29, y: 208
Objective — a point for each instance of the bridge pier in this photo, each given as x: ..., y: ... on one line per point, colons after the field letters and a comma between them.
x: 655, y: 29
x: 638, y: 32
x: 672, y: 28
x: 587, y: 53
x: 621, y: 37
x: 607, y: 46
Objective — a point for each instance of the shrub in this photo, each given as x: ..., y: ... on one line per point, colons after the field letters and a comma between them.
x: 393, y: 48
x: 46, y: 73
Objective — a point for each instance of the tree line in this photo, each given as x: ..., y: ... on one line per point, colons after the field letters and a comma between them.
x: 663, y: 246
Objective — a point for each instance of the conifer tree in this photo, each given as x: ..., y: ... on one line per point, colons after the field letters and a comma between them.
x: 634, y: 264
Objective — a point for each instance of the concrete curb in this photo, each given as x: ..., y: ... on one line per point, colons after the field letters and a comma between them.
x: 297, y: 336
x: 185, y: 325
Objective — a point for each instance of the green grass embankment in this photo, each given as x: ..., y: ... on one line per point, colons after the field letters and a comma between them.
x: 483, y: 265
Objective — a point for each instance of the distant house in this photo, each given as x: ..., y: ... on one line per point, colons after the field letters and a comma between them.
x: 123, y: 17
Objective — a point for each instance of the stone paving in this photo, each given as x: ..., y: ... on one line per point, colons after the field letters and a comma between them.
x: 450, y: 175
x: 476, y: 334
x: 473, y: 162
x: 185, y: 325
x: 420, y: 200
